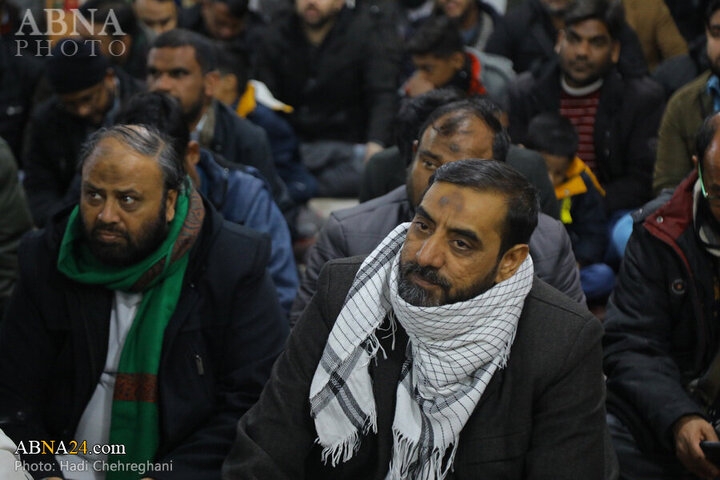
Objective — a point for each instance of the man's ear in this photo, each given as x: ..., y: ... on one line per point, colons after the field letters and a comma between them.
x: 615, y: 53
x: 695, y: 161
x: 192, y: 154
x: 415, y: 147
x: 457, y: 60
x: 210, y: 82
x: 560, y: 39
x: 170, y: 202
x: 109, y: 79
x: 511, y: 261
x: 192, y: 157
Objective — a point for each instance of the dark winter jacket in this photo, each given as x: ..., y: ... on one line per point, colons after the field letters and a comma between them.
x: 344, y: 89
x: 358, y: 230
x: 626, y: 126
x: 217, y: 352
x: 662, y: 326
x: 582, y: 212
x: 541, y: 417
x: 55, y: 141
x: 242, y: 196
x: 239, y: 141
x: 19, y: 76
x: 15, y: 220
x: 284, y: 144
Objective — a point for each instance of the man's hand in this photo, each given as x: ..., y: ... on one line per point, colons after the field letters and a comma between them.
x: 416, y: 85
x: 689, y: 431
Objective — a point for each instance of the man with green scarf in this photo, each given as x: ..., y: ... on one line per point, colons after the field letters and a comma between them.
x: 140, y: 320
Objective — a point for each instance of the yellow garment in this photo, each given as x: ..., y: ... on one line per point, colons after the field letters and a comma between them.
x: 565, y: 206
x: 247, y: 102
x: 575, y: 185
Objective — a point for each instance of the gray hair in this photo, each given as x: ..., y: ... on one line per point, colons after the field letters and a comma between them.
x: 145, y: 140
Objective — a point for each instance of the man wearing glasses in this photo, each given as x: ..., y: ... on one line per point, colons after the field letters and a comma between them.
x: 662, y: 330
x: 88, y: 94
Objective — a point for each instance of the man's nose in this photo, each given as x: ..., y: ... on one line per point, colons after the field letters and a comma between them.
x: 108, y: 213
x: 161, y: 83
x: 583, y: 48
x: 431, y: 254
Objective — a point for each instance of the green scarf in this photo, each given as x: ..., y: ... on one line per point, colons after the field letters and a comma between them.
x: 135, y: 419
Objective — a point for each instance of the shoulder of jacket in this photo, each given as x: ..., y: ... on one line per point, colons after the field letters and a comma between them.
x: 688, y: 92
x: 239, y: 248
x: 391, y: 201
x: 642, y: 213
x: 551, y: 305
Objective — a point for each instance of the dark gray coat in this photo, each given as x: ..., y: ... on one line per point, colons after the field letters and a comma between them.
x: 542, y: 417
x: 358, y: 230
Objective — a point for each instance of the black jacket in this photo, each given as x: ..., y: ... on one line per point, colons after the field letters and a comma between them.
x: 14, y: 221
x: 344, y: 89
x: 626, y: 126
x: 541, y: 417
x: 19, y: 76
x: 55, y: 141
x: 240, y: 141
x: 218, y: 349
x: 661, y: 328
x: 528, y: 37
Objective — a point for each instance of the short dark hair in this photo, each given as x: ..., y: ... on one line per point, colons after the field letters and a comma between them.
x: 233, y: 61
x: 122, y: 11
x: 609, y: 12
x: 147, y: 141
x: 179, y: 37
x: 161, y: 111
x: 552, y: 133
x: 705, y: 136
x: 522, y: 200
x: 238, y: 8
x: 712, y: 7
x: 414, y: 111
x: 438, y: 36
x: 458, y: 111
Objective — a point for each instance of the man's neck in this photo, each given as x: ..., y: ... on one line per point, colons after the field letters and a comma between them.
x: 203, y: 110
x: 316, y: 35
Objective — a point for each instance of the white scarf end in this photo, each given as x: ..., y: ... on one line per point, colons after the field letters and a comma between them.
x: 343, y: 450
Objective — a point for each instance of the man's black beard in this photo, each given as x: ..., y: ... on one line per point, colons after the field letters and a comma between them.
x: 133, y: 251
x: 419, y: 297
x: 321, y: 22
x: 192, y: 115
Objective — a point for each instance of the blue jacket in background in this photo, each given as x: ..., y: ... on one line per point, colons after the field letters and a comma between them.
x: 242, y: 196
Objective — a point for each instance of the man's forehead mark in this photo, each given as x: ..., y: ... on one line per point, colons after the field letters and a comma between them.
x: 454, y: 199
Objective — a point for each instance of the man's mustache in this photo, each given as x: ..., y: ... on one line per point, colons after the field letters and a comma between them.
x: 429, y: 274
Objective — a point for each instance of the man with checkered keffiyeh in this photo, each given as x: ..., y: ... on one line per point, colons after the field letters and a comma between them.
x: 440, y: 355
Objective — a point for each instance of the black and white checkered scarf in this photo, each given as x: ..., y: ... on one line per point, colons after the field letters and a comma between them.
x: 454, y: 351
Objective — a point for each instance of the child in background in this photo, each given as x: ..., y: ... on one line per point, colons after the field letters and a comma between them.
x: 581, y: 199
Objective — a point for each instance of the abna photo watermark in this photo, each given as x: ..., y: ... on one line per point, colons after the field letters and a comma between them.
x: 63, y: 23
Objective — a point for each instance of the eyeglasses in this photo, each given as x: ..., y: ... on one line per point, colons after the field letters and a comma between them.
x: 710, y: 197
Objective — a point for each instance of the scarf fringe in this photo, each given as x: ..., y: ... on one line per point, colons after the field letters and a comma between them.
x: 406, y: 453
x: 343, y: 451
